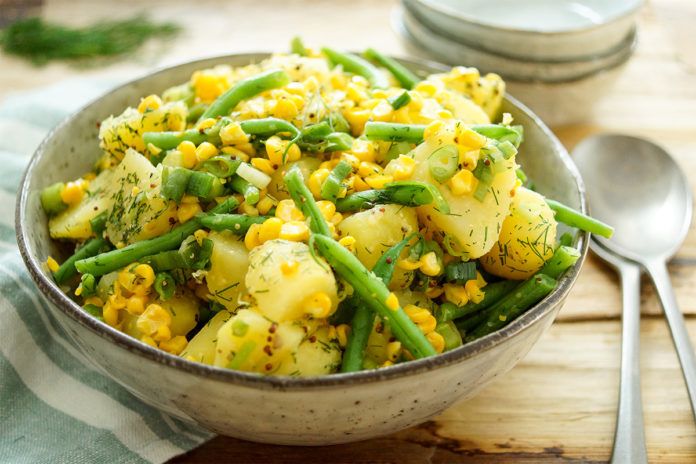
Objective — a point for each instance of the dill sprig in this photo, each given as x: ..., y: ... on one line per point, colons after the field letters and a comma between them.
x: 41, y: 42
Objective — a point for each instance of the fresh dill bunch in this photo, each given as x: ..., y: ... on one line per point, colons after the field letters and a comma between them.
x: 41, y: 42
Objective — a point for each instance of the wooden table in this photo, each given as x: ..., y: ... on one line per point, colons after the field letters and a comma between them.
x: 559, y: 403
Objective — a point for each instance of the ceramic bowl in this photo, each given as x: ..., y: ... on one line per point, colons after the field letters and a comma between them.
x: 323, y: 410
x: 553, y: 30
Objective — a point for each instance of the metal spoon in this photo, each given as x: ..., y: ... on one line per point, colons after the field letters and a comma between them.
x: 637, y: 187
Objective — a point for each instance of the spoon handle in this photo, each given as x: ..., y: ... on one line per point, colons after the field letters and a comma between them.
x: 675, y: 319
x: 629, y: 440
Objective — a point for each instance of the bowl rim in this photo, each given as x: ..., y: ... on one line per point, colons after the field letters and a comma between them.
x: 284, y: 383
x: 437, y: 8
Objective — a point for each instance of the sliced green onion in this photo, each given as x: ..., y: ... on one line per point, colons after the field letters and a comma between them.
x: 221, y: 166
x: 573, y: 218
x: 252, y: 175
x: 244, y: 352
x: 453, y: 245
x: 204, y: 185
x: 94, y: 311
x: 400, y: 101
x: 333, y: 183
x: 164, y: 285
x: 449, y: 332
x: 98, y: 223
x: 88, y: 283
x: 460, y: 272
x: 51, y: 200
x: 195, y: 112
x: 196, y: 256
x: 297, y: 47
x: 566, y: 239
x: 501, y: 133
x: 398, y: 148
x: 165, y: 261
x: 443, y: 163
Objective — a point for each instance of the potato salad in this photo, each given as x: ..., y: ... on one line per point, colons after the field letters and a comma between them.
x: 313, y: 213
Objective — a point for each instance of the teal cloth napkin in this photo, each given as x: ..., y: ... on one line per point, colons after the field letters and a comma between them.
x: 54, y: 407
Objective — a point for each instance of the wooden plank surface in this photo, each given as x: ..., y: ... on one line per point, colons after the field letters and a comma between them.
x: 559, y: 403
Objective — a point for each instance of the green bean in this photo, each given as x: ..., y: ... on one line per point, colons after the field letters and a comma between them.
x: 574, y: 218
x: 165, y: 261
x: 407, y: 79
x: 492, y: 293
x: 251, y: 192
x: 245, y: 89
x: 336, y: 141
x: 297, y: 47
x: 94, y: 311
x: 315, y: 132
x: 363, y: 318
x: 566, y: 239
x: 394, y: 132
x: 171, y: 139
x: 521, y: 175
x: 116, y: 259
x: 374, y: 294
x: 237, y: 223
x: 408, y: 193
x: 267, y: 127
x: 450, y: 334
x: 513, y: 304
x: 90, y: 248
x: 501, y: 133
x: 195, y: 112
x: 562, y: 259
x: 333, y: 183
x: 460, y: 272
x: 174, y: 182
x: 51, y: 200
x: 304, y: 200
x: 164, y: 285
x: 98, y: 223
x: 88, y: 285
x: 357, y: 65
x: 400, y: 100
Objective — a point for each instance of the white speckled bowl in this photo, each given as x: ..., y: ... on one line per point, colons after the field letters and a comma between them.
x: 283, y: 410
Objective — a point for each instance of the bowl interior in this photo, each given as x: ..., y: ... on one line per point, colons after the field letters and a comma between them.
x: 71, y: 149
x: 536, y: 15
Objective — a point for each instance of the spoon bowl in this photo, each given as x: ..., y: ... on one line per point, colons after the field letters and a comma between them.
x: 637, y: 187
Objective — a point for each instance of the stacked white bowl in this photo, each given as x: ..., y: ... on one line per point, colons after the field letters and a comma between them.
x: 557, y: 56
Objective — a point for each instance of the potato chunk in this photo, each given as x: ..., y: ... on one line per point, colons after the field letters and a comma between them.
x: 283, y: 277
x: 316, y: 355
x: 257, y: 344
x: 119, y: 133
x: 475, y: 224
x: 202, y: 346
x: 526, y: 240
x: 378, y: 229
x: 228, y: 266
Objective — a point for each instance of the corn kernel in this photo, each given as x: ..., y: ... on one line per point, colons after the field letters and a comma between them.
x: 336, y: 219
x: 423, y: 319
x: 367, y: 169
x: 401, y: 168
x: 474, y: 291
x: 393, y: 350
x: 387, y: 363
x: 205, y: 150
x: 233, y: 134
x: 470, y: 138
x: 265, y: 204
x: 437, y: 341
x: 117, y: 301
x: 378, y: 182
x: 355, y: 92
x: 206, y: 124
x: 326, y: 208
x: 136, y: 304
x: 408, y: 265
x: 199, y: 235
x: 392, y: 302
x: 348, y: 242
x: 294, y: 231
x: 287, y: 211
x: 145, y: 274
x: 363, y: 150
x: 289, y: 267
x: 174, y: 346
x: 348, y: 158
x: 263, y: 165
x: 462, y: 182
x: 52, y: 264
x: 251, y: 239
x: 151, y: 102
x: 357, y: 118
x: 189, y: 199
x: 155, y: 316
x: 110, y: 315
x: 188, y: 154
x: 249, y: 210
x: 73, y: 192
x: 359, y: 184
x: 425, y: 88
x: 316, y: 179
x: 318, y: 305
x: 433, y: 129
x: 94, y: 300
x: 383, y: 111
x: 430, y: 265
x: 270, y: 229
x: 456, y: 294
x: 148, y: 341
x: 236, y: 152
x: 342, y: 333
x: 285, y: 108
x: 275, y: 149
x: 434, y: 292
x: 186, y: 211
x: 163, y: 333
